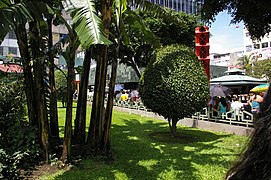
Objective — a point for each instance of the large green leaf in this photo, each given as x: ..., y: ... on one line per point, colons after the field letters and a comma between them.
x: 88, y: 25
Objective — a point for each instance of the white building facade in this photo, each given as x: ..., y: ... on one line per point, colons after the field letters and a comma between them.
x: 259, y: 50
x: 9, y: 46
x: 187, y: 6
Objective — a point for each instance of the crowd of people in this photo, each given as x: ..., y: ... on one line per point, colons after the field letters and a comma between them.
x: 127, y: 96
x: 236, y: 103
x: 254, y: 162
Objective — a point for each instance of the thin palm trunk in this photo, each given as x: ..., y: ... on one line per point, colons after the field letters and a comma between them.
x: 53, y: 93
x: 95, y: 137
x: 97, y: 112
x: 28, y: 76
x: 66, y: 153
x: 38, y: 69
x: 135, y: 67
x: 109, y: 109
x: 80, y: 120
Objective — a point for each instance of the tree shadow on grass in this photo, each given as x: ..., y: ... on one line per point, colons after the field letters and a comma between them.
x: 138, y: 155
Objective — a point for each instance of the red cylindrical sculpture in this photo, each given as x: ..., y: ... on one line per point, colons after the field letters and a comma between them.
x: 202, y: 47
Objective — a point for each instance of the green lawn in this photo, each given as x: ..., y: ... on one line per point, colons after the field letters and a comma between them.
x: 138, y: 156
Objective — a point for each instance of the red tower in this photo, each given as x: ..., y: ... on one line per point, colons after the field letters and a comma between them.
x: 202, y: 47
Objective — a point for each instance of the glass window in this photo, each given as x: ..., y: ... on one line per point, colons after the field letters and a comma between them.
x: 256, y: 46
x: 1, y: 50
x: 248, y: 48
x: 265, y: 45
x: 162, y: 2
x: 12, y: 35
x: 166, y: 3
x: 12, y: 50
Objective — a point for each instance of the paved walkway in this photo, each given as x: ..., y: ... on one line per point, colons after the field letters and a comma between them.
x: 204, y: 125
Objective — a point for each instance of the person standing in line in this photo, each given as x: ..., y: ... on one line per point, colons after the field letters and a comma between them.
x: 228, y: 101
x: 124, y: 96
x: 222, y: 106
x: 254, y: 102
x: 118, y: 95
x: 254, y: 162
x: 236, y: 106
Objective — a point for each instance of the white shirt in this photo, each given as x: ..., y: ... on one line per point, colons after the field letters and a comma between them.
x: 236, y: 106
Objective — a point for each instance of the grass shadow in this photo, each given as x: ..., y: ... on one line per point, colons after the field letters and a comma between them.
x: 138, y: 155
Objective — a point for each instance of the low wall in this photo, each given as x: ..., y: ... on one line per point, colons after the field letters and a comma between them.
x: 204, y: 125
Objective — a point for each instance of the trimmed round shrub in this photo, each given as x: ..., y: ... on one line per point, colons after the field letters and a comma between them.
x: 174, y: 84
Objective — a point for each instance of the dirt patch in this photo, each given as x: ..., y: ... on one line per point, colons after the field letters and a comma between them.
x: 41, y: 170
x: 181, y: 138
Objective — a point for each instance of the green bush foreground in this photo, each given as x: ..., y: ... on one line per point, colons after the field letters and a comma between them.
x: 138, y: 156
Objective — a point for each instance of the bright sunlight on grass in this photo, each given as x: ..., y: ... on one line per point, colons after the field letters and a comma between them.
x: 138, y: 156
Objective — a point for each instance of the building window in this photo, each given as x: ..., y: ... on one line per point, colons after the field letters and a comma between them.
x: 256, y: 46
x: 12, y: 50
x: 12, y: 35
x: 265, y: 45
x: 1, y: 50
x: 248, y: 48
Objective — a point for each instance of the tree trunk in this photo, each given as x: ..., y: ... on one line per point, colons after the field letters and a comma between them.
x: 53, y: 95
x: 174, y: 127
x: 169, y: 124
x: 80, y: 120
x: 109, y: 109
x: 135, y: 67
x: 38, y: 67
x: 97, y: 112
x: 66, y: 153
x: 28, y: 76
x: 96, y: 127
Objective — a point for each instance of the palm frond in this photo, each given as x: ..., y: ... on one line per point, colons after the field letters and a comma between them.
x: 159, y: 11
x: 12, y: 15
x: 88, y: 25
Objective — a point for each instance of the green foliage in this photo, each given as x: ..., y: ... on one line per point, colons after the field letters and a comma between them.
x: 12, y: 103
x: 61, y: 79
x: 9, y: 164
x: 174, y: 85
x: 61, y: 84
x: 17, y: 138
x: 168, y: 28
x: 260, y: 69
x: 178, y: 28
x: 255, y: 14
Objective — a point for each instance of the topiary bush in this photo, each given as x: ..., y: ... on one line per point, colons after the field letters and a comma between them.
x: 61, y: 85
x: 174, y: 84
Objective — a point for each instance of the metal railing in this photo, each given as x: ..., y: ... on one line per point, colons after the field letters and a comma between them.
x: 243, y: 117
x: 131, y: 105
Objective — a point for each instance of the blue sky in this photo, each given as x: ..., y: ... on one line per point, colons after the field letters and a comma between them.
x: 225, y: 37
